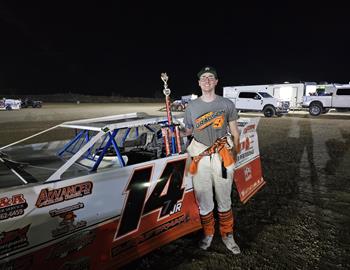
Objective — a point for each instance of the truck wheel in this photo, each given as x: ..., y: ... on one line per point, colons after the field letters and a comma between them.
x: 315, y: 109
x: 269, y: 111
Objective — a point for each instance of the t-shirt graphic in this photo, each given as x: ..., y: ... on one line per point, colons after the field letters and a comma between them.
x: 215, y: 119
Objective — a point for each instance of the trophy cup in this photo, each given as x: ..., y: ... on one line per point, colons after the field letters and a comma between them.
x: 171, y: 130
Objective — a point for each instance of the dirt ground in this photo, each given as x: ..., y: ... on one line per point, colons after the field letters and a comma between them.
x: 299, y: 220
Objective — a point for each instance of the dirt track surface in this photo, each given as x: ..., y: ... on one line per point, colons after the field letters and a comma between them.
x: 299, y: 220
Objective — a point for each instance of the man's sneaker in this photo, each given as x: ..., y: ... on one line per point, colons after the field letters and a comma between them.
x: 205, y: 242
x: 231, y: 244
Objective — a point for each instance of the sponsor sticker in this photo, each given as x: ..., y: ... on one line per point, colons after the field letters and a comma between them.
x: 48, y: 197
x: 11, y: 207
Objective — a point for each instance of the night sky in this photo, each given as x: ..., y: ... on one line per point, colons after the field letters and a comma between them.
x: 105, y: 49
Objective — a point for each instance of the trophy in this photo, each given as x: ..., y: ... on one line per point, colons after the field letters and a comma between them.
x: 170, y: 130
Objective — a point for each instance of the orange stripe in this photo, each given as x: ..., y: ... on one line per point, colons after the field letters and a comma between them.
x: 208, y: 224
x: 226, y: 222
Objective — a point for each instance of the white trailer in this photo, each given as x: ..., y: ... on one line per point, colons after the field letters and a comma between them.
x: 292, y: 92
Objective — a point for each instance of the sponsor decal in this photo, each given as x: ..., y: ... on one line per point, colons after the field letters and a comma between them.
x: 246, y: 154
x: 57, y: 212
x: 249, y: 128
x: 13, y: 240
x: 12, y: 207
x: 149, y: 235
x: 48, y: 197
x: 68, y: 224
x: 252, y: 187
x: 79, y: 264
x: 72, y: 244
x: 248, y: 173
x: 164, y: 198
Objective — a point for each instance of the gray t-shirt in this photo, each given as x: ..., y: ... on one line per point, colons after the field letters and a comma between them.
x: 209, y: 120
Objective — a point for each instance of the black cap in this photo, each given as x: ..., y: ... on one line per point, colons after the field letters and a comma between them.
x: 207, y: 69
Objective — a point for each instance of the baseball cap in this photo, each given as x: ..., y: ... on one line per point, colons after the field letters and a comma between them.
x: 207, y: 69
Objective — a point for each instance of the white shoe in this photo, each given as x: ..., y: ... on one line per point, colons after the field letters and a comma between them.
x: 231, y: 244
x: 205, y: 242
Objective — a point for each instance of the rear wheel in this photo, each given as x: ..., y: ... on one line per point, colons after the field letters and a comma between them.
x: 315, y: 109
x: 269, y: 111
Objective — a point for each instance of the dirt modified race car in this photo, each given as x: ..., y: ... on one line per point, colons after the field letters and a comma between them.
x: 99, y: 193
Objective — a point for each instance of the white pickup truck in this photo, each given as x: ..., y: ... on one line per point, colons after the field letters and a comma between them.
x: 334, y: 97
x: 257, y: 101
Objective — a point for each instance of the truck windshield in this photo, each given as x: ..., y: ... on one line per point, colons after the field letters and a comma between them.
x: 265, y: 95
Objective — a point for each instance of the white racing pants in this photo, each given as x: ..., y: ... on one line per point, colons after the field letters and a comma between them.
x: 209, y: 181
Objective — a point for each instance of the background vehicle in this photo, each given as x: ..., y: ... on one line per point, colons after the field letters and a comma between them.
x: 252, y: 100
x: 31, y: 103
x: 10, y: 104
x: 292, y: 92
x: 180, y: 105
x: 335, y: 96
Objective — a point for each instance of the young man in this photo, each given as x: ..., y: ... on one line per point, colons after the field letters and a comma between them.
x: 211, y: 119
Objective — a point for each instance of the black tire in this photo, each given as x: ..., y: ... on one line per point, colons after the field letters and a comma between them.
x: 8, y: 108
x: 269, y: 111
x: 315, y: 109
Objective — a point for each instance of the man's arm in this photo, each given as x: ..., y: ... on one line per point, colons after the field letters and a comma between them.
x: 235, y: 133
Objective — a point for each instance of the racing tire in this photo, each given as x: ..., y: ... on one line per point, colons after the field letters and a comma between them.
x: 315, y: 109
x: 269, y: 111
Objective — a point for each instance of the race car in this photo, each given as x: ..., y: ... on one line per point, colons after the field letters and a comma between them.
x: 99, y: 193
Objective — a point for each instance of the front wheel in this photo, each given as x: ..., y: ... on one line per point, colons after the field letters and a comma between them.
x: 269, y: 111
x: 315, y: 109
